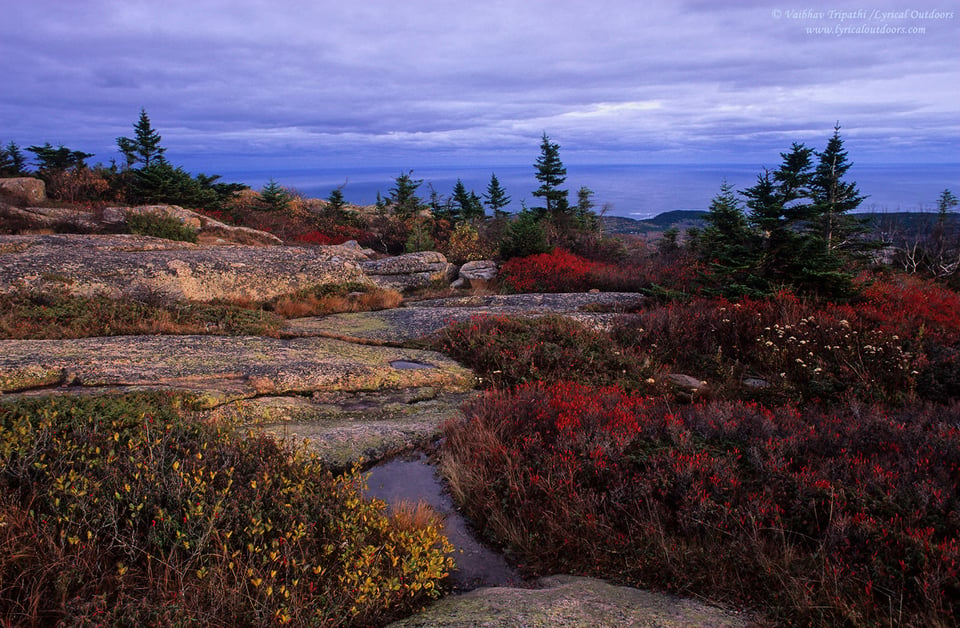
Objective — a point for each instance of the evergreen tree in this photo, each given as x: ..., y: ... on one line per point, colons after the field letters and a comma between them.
x: 794, y: 178
x: 524, y: 236
x: 496, y: 197
x: 12, y: 161
x: 50, y: 159
x: 728, y: 245
x: 466, y: 205
x: 833, y: 198
x: 144, y: 147
x: 274, y: 196
x: 336, y: 203
x: 403, y: 196
x: 586, y: 218
x: 551, y: 174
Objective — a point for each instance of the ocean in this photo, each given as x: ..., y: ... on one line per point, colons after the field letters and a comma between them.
x: 631, y: 191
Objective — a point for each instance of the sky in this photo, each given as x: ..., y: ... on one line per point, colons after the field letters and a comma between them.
x: 279, y: 84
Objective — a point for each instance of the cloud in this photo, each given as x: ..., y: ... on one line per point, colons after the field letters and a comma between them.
x: 381, y: 81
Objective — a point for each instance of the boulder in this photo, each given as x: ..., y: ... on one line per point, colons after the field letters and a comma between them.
x: 27, y: 188
x: 476, y: 274
x: 139, y: 266
x: 570, y: 602
x: 210, y: 231
x: 686, y: 383
x: 481, y: 269
x: 187, y: 217
x: 409, y: 271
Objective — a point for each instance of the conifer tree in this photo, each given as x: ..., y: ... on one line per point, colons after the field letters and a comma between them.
x: 335, y: 200
x: 496, y: 197
x: 403, y: 196
x: 274, y: 196
x: 50, y: 159
x: 467, y: 205
x: 729, y: 246
x: 551, y: 174
x: 12, y: 161
x: 833, y: 198
x: 144, y: 147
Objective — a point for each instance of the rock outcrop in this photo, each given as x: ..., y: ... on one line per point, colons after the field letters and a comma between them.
x: 138, y: 266
x: 569, y: 602
x: 422, y: 318
x: 410, y: 271
x: 352, y: 401
x: 30, y: 190
x: 476, y: 274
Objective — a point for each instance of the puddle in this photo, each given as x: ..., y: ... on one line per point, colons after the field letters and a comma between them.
x: 410, y: 364
x: 416, y: 480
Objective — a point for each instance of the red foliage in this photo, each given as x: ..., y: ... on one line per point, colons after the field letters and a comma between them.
x: 336, y: 234
x: 557, y: 271
x: 913, y: 307
x: 828, y: 517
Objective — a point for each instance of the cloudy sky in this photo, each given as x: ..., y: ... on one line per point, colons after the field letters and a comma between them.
x: 283, y: 84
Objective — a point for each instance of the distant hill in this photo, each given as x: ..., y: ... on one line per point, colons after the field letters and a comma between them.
x: 899, y: 224
x: 681, y: 219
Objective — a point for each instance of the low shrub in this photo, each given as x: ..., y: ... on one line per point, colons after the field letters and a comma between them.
x: 60, y: 315
x: 808, y: 351
x: 335, y: 298
x: 160, y: 225
x: 846, y: 517
x: 124, y: 511
x: 505, y: 351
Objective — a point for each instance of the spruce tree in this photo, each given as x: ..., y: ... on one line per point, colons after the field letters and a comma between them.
x: 50, y: 159
x: 728, y: 245
x: 144, y: 147
x: 12, y: 161
x: 496, y: 197
x: 466, y: 205
x: 335, y: 201
x: 834, y: 199
x: 274, y: 196
x: 551, y: 174
x: 403, y: 196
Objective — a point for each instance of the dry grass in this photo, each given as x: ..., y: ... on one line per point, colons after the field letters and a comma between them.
x: 312, y: 304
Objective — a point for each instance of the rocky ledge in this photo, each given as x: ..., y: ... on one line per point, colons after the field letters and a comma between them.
x: 569, y: 602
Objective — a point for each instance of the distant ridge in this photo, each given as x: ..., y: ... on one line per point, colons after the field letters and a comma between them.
x: 904, y: 224
x: 681, y: 219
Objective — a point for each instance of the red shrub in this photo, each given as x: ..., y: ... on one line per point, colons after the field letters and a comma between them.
x: 913, y: 307
x: 557, y: 271
x: 820, y: 518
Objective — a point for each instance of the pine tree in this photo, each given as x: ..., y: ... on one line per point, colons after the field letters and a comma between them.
x: 144, y: 147
x: 833, y: 198
x: 50, y: 159
x: 403, y: 196
x: 466, y: 205
x: 12, y: 161
x: 274, y: 196
x: 524, y: 236
x: 335, y: 201
x: 551, y: 174
x: 496, y: 197
x: 729, y: 246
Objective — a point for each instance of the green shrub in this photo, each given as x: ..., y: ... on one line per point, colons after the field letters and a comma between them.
x: 124, y: 511
x: 159, y: 225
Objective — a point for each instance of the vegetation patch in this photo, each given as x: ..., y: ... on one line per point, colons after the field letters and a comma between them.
x: 124, y: 511
x: 160, y: 225
x: 832, y: 518
x: 60, y: 315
